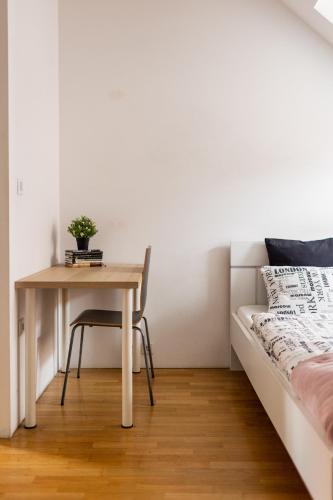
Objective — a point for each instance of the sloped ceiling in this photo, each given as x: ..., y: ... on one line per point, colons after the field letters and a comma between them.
x: 305, y: 10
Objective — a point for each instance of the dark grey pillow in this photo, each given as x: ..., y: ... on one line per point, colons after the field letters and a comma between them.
x: 318, y: 253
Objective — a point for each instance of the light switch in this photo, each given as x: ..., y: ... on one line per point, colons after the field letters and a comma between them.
x: 19, y: 187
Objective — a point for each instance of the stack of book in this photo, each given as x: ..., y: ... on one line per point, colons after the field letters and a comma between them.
x: 83, y: 258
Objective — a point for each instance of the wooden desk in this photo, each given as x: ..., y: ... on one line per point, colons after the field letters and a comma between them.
x: 119, y: 276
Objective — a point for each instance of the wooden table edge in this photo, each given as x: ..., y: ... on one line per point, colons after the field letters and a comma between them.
x: 32, y: 281
x: 75, y: 284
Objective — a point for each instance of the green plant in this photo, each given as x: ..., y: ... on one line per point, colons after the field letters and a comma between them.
x: 82, y: 227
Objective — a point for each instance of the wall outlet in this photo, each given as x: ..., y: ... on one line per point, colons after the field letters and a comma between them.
x: 19, y: 187
x: 20, y: 326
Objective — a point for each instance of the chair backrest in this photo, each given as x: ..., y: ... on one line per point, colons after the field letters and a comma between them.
x: 144, y: 284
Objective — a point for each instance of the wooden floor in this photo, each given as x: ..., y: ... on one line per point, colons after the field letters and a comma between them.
x: 208, y: 437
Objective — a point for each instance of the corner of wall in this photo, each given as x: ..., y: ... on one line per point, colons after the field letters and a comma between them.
x: 4, y: 228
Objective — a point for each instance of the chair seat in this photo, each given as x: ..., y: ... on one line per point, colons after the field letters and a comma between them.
x: 101, y: 317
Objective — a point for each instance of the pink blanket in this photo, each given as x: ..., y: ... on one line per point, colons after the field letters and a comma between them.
x: 312, y: 381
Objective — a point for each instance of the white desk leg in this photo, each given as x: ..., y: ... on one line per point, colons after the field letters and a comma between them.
x: 136, y: 335
x: 30, y: 358
x: 65, y: 333
x: 127, y: 382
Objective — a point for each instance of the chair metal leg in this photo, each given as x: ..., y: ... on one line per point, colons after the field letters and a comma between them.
x: 67, y: 365
x: 149, y: 348
x: 80, y: 354
x: 147, y: 366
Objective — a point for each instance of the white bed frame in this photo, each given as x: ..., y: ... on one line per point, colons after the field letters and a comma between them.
x: 303, y: 439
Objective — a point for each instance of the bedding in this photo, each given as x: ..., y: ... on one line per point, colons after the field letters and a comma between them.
x: 295, y: 291
x: 245, y: 313
x: 302, y: 349
x: 288, y: 341
x: 299, y: 253
x: 312, y: 381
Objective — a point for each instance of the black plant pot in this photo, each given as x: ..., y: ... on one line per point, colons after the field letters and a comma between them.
x: 82, y: 243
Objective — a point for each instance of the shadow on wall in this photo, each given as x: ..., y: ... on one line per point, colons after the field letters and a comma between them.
x: 218, y: 272
x: 54, y: 238
x: 201, y: 323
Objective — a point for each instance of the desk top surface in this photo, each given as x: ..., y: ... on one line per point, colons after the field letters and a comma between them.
x: 108, y: 276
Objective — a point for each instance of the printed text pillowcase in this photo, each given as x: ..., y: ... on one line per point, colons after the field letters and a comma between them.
x: 299, y: 290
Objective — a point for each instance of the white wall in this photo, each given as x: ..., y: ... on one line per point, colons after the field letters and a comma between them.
x: 187, y: 124
x: 34, y: 158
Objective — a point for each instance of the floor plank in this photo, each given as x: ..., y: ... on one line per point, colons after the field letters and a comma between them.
x: 207, y: 438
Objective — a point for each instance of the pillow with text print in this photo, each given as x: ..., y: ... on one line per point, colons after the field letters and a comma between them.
x: 298, y: 291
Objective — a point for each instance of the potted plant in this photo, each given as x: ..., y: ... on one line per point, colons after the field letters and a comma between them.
x: 82, y: 228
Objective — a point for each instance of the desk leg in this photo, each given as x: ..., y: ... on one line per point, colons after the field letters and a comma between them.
x: 136, y: 335
x: 30, y: 358
x: 64, y: 328
x: 127, y: 389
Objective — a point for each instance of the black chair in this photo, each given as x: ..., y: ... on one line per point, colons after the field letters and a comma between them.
x: 100, y: 317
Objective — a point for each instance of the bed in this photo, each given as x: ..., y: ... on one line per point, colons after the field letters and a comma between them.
x: 303, y: 438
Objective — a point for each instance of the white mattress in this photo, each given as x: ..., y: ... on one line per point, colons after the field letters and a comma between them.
x: 245, y: 313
